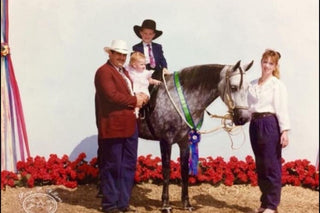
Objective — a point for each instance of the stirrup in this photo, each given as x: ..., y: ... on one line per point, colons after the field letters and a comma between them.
x: 142, y: 114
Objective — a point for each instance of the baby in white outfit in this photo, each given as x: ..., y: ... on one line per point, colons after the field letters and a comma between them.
x: 140, y: 76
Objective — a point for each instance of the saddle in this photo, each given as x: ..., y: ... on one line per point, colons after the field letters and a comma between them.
x: 147, y: 109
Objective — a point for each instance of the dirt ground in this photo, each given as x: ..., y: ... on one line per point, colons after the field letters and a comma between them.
x: 146, y: 197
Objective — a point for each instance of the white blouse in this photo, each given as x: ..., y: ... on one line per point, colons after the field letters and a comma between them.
x: 270, y: 97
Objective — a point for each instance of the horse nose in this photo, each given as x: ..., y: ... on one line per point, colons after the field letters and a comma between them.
x: 241, y: 121
x: 241, y: 117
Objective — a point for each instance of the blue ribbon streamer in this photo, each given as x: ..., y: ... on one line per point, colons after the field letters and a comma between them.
x: 194, y: 139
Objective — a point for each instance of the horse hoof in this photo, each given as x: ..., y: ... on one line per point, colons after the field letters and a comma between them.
x: 166, y: 209
x: 187, y: 206
x: 99, y: 194
x: 189, y: 209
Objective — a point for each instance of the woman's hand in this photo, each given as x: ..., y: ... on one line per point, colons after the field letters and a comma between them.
x: 284, y: 140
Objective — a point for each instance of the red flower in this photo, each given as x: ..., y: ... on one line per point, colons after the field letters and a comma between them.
x: 30, y: 182
x: 38, y: 171
x: 192, y: 180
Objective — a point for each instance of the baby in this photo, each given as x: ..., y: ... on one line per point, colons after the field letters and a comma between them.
x: 140, y: 76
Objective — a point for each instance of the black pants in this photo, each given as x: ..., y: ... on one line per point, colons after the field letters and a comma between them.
x: 265, y: 142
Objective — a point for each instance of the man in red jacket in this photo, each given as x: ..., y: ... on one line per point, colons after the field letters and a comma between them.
x: 117, y: 128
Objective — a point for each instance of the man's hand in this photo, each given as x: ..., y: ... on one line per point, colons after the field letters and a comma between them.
x: 142, y: 99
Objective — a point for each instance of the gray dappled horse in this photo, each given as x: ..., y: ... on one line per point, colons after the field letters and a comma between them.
x: 201, y: 85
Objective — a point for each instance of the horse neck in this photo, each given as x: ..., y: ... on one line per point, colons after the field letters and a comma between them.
x: 200, y: 85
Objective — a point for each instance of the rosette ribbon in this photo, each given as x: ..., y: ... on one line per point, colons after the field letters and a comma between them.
x: 14, y: 138
x: 193, y: 134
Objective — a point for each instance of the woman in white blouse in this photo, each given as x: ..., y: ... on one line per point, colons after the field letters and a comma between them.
x: 269, y: 125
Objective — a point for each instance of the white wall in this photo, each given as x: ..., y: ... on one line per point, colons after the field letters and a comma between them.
x: 57, y: 45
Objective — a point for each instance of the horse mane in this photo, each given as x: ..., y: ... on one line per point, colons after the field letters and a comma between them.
x: 200, y: 75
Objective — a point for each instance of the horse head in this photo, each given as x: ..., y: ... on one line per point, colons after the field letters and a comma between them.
x: 233, y: 87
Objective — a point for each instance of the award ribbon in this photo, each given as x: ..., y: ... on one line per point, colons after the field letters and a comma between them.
x: 194, y: 135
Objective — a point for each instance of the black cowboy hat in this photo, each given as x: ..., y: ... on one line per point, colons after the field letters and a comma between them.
x: 148, y: 24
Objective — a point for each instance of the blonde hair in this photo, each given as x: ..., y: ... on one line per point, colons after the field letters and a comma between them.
x: 275, y: 56
x: 135, y: 56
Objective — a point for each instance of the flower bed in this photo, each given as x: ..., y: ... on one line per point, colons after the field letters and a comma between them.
x: 61, y: 171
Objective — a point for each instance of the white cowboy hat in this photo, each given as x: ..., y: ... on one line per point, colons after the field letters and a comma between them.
x: 119, y: 46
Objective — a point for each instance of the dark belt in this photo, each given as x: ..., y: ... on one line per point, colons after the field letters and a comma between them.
x: 257, y: 115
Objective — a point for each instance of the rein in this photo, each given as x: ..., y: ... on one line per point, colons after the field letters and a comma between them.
x: 228, y: 127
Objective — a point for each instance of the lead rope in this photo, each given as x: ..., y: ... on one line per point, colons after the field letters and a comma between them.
x: 228, y: 127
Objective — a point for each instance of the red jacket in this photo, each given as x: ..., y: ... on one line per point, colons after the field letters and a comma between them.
x: 114, y: 104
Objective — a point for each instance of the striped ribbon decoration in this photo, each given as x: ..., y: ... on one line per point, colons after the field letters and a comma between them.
x: 14, y: 138
x: 193, y: 134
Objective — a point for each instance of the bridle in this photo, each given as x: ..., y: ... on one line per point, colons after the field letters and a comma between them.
x: 226, y: 94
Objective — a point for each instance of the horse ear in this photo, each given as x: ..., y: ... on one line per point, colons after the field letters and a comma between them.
x: 235, y: 67
x: 248, y: 66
